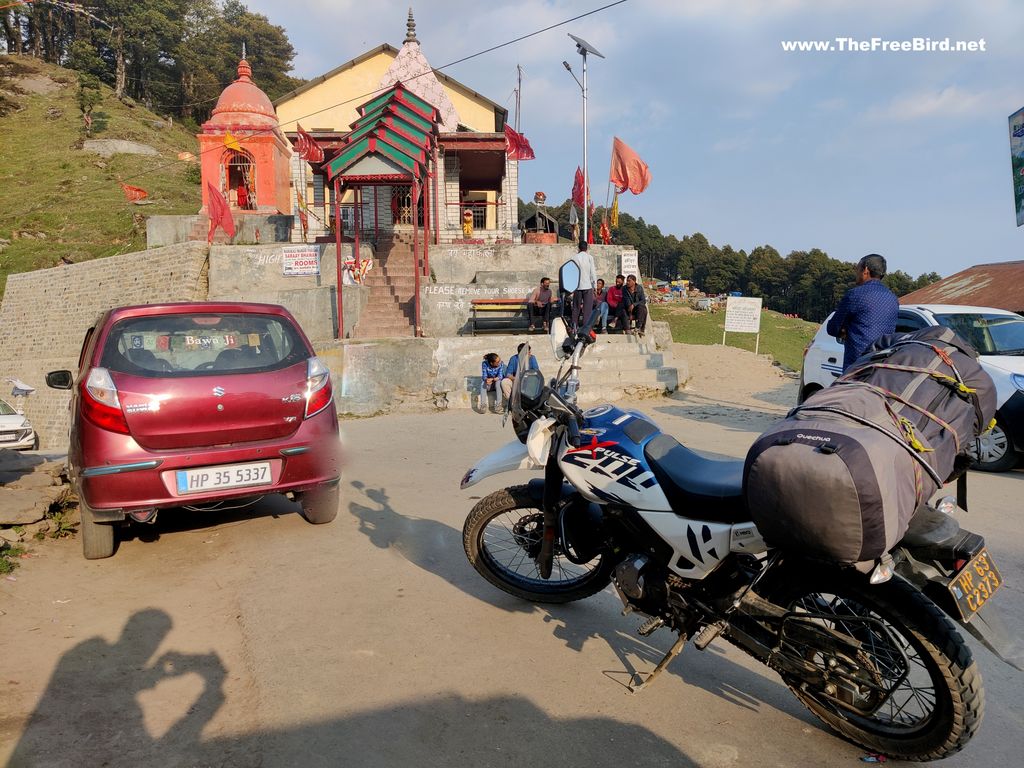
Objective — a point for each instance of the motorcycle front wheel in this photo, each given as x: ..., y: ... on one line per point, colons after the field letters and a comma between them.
x: 913, y: 692
x: 502, y: 538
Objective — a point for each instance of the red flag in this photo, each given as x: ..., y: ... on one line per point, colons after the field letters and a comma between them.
x: 307, y: 147
x: 517, y: 146
x: 628, y: 171
x: 134, y: 193
x: 220, y: 213
x: 606, y: 234
x: 577, y: 189
x: 590, y: 235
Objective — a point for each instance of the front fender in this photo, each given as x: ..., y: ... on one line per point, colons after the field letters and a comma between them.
x: 509, y: 457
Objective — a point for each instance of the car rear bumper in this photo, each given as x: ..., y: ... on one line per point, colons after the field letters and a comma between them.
x: 131, y: 478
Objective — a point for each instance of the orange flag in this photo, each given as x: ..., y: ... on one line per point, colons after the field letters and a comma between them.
x: 133, y: 193
x: 220, y: 213
x: 628, y: 171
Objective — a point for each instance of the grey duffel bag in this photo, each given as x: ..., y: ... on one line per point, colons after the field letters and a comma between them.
x: 841, y: 476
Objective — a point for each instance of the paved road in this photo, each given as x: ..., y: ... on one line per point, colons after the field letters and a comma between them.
x: 255, y: 639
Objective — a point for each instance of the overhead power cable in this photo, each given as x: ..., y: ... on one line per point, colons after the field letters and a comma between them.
x: 367, y: 95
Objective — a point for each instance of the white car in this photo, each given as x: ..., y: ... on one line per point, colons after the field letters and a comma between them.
x: 997, y: 334
x: 15, y: 430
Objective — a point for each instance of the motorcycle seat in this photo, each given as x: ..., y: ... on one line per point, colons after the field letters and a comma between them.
x: 930, y: 528
x: 705, y: 489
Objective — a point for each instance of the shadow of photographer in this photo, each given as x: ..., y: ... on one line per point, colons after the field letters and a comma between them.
x: 91, y: 706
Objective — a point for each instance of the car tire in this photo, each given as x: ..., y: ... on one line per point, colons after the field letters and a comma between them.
x: 997, y: 453
x: 98, y: 539
x: 809, y: 390
x: 321, y: 505
x: 35, y: 442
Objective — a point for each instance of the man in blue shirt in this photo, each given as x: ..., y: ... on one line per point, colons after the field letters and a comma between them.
x: 866, y: 313
x: 512, y: 368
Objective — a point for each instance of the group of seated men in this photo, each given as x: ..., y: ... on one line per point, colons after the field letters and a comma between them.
x: 625, y: 303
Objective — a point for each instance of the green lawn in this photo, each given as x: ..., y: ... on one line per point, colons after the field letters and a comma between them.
x: 784, y: 338
x: 49, y: 186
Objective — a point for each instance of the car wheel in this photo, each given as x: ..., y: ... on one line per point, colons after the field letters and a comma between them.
x: 98, y: 539
x: 993, y: 451
x: 321, y: 505
x: 809, y: 390
x: 35, y: 443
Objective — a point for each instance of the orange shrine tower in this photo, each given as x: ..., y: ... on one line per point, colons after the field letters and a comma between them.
x: 243, y: 152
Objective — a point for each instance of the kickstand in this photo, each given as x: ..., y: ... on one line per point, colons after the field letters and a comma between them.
x: 672, y: 653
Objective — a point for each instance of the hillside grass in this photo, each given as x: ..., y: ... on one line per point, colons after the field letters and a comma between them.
x: 784, y: 338
x: 49, y: 185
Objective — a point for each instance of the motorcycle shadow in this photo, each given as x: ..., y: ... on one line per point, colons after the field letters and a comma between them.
x: 428, y: 544
x: 742, y: 683
x: 436, y: 548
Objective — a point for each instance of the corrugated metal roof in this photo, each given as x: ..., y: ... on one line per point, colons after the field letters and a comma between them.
x: 985, y: 285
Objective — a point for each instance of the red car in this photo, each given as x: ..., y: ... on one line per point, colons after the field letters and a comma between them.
x: 201, y: 406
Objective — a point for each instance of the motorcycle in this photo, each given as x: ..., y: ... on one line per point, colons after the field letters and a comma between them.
x: 875, y: 656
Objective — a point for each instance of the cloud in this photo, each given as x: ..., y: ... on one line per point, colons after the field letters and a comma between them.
x: 950, y: 102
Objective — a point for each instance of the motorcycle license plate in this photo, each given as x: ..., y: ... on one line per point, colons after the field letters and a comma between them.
x: 975, y: 584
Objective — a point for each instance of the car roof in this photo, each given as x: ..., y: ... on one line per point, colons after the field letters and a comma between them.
x: 959, y: 309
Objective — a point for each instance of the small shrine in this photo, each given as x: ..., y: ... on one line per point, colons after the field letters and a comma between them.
x: 243, y: 152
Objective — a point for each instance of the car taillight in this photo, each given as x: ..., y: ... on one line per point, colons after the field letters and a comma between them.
x: 100, y: 403
x: 318, y: 387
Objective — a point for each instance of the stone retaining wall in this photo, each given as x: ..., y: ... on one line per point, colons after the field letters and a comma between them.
x: 46, y: 313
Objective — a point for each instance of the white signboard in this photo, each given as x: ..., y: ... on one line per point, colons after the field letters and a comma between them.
x: 629, y: 262
x: 300, y: 260
x: 743, y: 314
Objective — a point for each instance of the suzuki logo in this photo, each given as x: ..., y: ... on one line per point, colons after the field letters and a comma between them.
x: 218, y: 391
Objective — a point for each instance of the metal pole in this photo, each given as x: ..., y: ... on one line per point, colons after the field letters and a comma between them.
x: 586, y: 178
x: 357, y: 221
x: 337, y: 254
x: 415, y: 256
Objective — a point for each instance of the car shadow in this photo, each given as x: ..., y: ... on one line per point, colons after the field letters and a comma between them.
x: 15, y: 465
x: 181, y: 519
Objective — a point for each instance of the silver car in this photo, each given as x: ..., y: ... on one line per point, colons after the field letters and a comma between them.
x: 15, y: 430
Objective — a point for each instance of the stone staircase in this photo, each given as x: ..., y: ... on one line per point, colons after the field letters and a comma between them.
x: 390, y: 311
x: 619, y: 365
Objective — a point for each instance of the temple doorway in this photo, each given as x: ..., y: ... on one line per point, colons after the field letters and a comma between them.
x: 240, y: 173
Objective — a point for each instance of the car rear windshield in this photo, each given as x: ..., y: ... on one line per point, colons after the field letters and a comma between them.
x: 193, y: 345
x: 989, y: 334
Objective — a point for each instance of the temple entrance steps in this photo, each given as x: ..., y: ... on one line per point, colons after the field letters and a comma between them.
x: 623, y: 363
x: 390, y: 311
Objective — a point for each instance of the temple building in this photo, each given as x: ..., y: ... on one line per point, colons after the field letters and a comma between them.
x: 466, y: 176
x: 243, y: 152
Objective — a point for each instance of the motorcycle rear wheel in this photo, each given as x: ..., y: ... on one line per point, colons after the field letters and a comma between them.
x: 501, y: 537
x: 936, y: 709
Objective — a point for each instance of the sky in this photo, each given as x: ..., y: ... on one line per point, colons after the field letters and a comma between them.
x: 901, y: 153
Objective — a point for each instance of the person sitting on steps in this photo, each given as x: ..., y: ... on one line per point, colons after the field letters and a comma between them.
x: 634, y: 305
x: 491, y: 372
x: 540, y: 303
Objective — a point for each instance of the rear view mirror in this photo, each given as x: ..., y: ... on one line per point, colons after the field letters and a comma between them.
x: 569, y: 277
x: 59, y: 379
